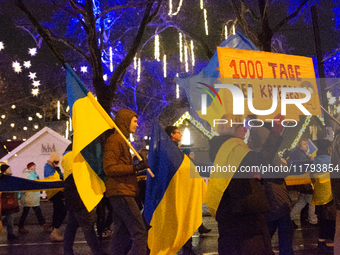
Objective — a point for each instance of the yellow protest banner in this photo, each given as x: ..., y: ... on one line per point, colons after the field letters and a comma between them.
x: 267, y: 73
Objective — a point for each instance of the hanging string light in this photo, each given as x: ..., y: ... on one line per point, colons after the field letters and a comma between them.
x: 234, y: 30
x: 138, y: 70
x: 226, y: 32
x: 180, y: 48
x: 2, y: 46
x: 66, y: 131
x: 32, y: 51
x: 27, y: 64
x: 111, y: 63
x: 70, y: 124
x: 36, y: 83
x: 201, y: 4
x: 157, y: 55
x: 135, y: 62
x: 177, y: 88
x: 178, y: 8
x: 192, y: 53
x: 32, y: 76
x: 170, y: 8
x: 186, y: 58
x: 58, y: 110
x: 35, y: 92
x: 206, y: 22
x: 164, y: 65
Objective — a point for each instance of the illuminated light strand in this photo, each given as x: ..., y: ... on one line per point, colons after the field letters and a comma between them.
x: 58, y: 110
x: 225, y: 32
x: 197, y: 124
x: 170, y: 8
x: 206, y: 22
x: 70, y: 124
x: 164, y: 66
x: 2, y: 46
x: 296, y: 140
x: 186, y: 58
x: 201, y: 4
x: 192, y: 53
x: 135, y: 62
x: 180, y: 48
x: 234, y: 30
x: 178, y: 8
x: 177, y: 88
x: 35, y: 92
x: 138, y: 70
x: 157, y: 55
x: 111, y: 63
x: 66, y: 131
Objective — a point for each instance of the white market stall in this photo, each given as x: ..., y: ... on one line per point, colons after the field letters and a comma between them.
x: 36, y: 149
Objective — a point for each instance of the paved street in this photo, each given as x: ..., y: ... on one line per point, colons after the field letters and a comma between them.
x: 37, y: 240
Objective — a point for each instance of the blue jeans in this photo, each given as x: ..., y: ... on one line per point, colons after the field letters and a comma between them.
x: 84, y: 219
x: 285, y: 233
x: 128, y: 225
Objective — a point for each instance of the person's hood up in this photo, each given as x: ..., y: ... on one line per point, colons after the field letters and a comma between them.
x: 123, y: 120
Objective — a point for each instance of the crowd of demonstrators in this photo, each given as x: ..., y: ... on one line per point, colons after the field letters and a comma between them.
x: 53, y: 172
x: 129, y: 232
x: 9, y: 206
x: 78, y: 215
x: 299, y: 157
x: 241, y: 211
x: 30, y: 200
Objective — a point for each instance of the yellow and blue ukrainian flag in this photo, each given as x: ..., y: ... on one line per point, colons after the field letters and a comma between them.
x: 89, y: 121
x: 173, y: 202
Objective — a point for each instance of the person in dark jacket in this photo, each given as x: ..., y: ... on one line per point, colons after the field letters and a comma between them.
x: 122, y: 188
x: 9, y: 199
x: 335, y: 182
x: 278, y: 217
x: 78, y: 216
x: 240, y: 212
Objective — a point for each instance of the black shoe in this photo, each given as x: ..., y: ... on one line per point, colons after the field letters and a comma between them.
x: 324, y: 249
x: 203, y: 230
x: 11, y: 237
x: 294, y: 225
x: 188, y: 251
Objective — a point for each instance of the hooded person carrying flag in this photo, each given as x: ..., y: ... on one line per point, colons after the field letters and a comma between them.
x: 122, y: 188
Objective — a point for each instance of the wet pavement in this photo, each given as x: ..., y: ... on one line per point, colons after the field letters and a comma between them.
x: 37, y: 241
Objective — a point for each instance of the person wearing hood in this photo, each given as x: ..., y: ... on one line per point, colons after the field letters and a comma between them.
x: 31, y: 200
x: 122, y: 188
x: 53, y: 173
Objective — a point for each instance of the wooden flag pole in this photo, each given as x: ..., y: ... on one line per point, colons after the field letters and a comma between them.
x: 132, y: 148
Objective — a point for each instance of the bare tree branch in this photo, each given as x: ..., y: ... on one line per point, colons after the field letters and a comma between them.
x: 134, y: 47
x: 103, y: 13
x: 44, y: 32
x: 291, y: 16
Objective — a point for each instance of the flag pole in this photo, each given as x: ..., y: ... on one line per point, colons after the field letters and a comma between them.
x: 131, y: 147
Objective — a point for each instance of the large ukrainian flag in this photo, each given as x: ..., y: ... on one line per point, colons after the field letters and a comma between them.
x: 173, y: 203
x: 89, y: 120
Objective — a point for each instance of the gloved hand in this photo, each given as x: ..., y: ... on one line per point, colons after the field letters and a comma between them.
x: 140, y: 166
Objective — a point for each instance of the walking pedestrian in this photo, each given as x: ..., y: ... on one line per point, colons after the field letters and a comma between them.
x: 278, y: 217
x: 240, y: 210
x: 9, y: 206
x: 52, y: 171
x: 31, y: 200
x: 78, y: 216
x: 122, y: 188
x: 299, y: 157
